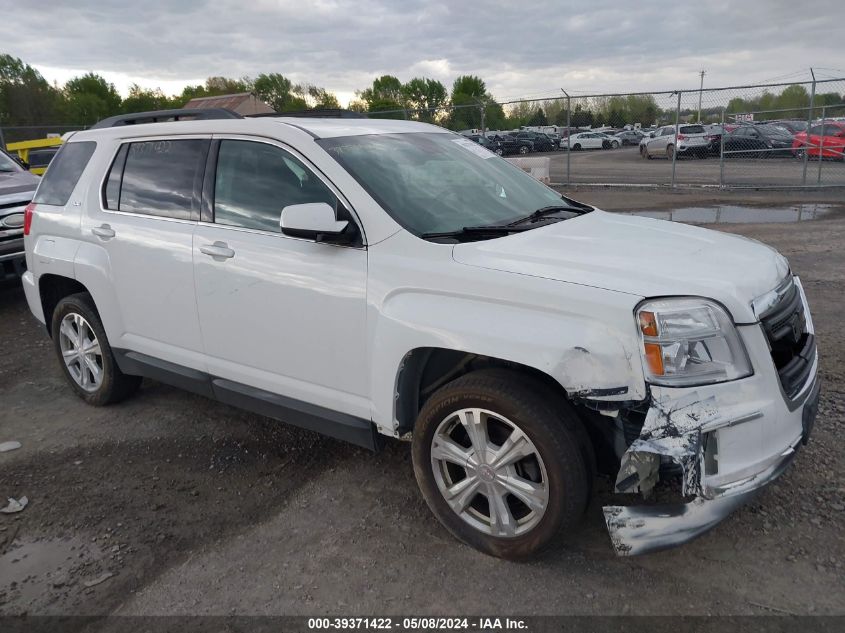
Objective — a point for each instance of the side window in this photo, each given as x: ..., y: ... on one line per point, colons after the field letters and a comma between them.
x: 157, y: 178
x: 64, y: 172
x: 255, y: 181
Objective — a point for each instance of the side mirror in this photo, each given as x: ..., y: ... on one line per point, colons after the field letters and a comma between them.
x: 313, y: 221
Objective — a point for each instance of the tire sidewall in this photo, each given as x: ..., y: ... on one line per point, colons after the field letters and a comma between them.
x: 563, y: 463
x: 79, y: 305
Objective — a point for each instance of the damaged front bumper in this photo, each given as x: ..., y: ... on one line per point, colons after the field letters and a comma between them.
x: 730, y: 440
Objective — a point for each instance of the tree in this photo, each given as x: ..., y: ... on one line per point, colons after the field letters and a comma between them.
x: 469, y: 99
x: 538, y: 118
x: 385, y: 95
x: 277, y: 91
x: 141, y: 100
x: 91, y: 98
x: 426, y: 96
x: 25, y: 96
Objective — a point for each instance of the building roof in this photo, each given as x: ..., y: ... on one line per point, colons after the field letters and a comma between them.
x: 241, y: 102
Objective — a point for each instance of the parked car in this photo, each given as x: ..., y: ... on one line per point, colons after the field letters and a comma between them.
x: 367, y: 278
x: 691, y: 140
x: 629, y: 137
x: 17, y: 186
x: 487, y: 143
x: 826, y: 140
x: 714, y: 133
x: 758, y: 141
x: 540, y: 142
x: 513, y: 145
x: 586, y: 140
x: 613, y: 141
x: 791, y: 126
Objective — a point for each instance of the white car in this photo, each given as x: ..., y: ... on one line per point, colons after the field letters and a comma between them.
x: 374, y: 279
x: 690, y: 140
x: 586, y: 140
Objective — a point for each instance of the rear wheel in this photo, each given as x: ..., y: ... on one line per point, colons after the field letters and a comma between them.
x: 85, y: 354
x: 577, y: 146
x: 670, y: 152
x: 500, y: 151
x: 499, y: 463
x: 614, y: 144
x: 523, y: 149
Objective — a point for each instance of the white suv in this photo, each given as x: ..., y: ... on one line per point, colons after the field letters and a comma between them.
x: 689, y: 140
x: 367, y: 278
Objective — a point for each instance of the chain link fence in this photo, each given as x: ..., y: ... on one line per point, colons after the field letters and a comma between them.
x: 781, y: 135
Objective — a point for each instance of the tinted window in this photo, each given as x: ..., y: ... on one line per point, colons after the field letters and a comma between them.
x: 65, y: 170
x: 255, y: 181
x: 692, y: 129
x: 41, y: 158
x: 160, y: 178
x: 111, y: 199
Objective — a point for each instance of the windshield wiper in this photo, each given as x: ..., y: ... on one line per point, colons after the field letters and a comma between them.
x: 491, y: 229
x: 545, y: 211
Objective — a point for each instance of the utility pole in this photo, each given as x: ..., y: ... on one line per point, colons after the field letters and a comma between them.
x: 700, y: 90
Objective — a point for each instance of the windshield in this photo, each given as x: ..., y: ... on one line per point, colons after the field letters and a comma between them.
x: 8, y: 164
x: 435, y: 182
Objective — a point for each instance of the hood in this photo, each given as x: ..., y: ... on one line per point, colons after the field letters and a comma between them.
x: 640, y: 256
x: 17, y: 186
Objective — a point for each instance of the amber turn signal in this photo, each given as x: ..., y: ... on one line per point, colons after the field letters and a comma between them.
x: 654, y: 358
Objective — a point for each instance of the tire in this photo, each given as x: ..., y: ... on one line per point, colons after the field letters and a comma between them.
x: 644, y: 152
x: 523, y: 149
x: 614, y: 145
x: 576, y: 147
x: 75, y: 318
x: 500, y: 151
x: 670, y: 151
x: 552, y: 473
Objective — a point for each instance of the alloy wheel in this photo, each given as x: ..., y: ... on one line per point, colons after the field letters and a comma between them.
x: 489, y: 472
x: 81, y: 352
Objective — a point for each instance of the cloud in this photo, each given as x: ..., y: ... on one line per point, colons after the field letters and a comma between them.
x: 519, y: 48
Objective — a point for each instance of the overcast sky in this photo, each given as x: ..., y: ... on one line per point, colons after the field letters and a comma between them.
x: 521, y: 48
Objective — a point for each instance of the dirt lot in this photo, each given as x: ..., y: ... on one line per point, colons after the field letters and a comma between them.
x: 173, y: 504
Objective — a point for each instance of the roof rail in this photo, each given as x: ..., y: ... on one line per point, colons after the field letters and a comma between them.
x: 157, y: 116
x: 320, y: 113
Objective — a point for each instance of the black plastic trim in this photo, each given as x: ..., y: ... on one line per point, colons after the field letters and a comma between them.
x: 342, y: 426
x: 158, y: 116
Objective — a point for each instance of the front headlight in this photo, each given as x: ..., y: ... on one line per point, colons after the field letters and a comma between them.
x: 690, y: 342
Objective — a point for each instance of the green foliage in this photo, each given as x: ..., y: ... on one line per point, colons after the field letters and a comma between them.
x: 469, y: 99
x: 424, y: 97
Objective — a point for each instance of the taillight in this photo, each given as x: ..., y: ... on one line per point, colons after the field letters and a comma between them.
x: 27, y: 217
x: 681, y: 137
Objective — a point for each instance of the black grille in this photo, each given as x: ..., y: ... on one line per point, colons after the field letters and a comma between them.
x: 793, y: 348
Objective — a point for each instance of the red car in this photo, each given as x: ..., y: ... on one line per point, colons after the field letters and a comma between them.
x: 827, y: 139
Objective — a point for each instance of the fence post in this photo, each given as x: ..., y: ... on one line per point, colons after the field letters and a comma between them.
x: 821, y: 149
x: 722, y: 153
x: 568, y: 135
x: 809, y: 125
x: 675, y: 146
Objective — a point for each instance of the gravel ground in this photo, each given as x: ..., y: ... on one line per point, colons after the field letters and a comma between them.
x: 172, y: 504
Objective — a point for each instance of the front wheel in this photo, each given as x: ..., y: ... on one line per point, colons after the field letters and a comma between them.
x: 523, y: 149
x: 614, y: 145
x: 670, y: 152
x: 85, y: 354
x: 498, y: 462
x: 576, y: 147
x: 499, y: 151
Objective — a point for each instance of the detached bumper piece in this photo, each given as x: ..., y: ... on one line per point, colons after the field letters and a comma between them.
x: 642, y: 529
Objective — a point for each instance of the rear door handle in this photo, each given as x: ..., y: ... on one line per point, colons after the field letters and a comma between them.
x: 104, y: 231
x: 218, y: 250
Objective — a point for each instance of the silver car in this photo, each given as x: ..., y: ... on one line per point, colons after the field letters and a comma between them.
x: 691, y: 139
x: 17, y: 186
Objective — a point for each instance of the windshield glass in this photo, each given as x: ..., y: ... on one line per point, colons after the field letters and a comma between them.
x: 8, y: 164
x: 437, y: 182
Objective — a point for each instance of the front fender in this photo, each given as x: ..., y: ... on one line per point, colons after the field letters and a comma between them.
x: 583, y: 337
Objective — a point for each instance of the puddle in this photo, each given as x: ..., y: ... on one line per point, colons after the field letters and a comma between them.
x: 30, y: 569
x: 734, y: 214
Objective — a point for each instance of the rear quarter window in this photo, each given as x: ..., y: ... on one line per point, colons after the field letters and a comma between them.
x: 64, y: 172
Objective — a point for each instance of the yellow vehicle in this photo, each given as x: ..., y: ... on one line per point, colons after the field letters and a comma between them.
x: 36, y: 154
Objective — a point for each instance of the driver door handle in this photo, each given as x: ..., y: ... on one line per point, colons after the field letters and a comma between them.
x: 104, y: 231
x: 218, y: 250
